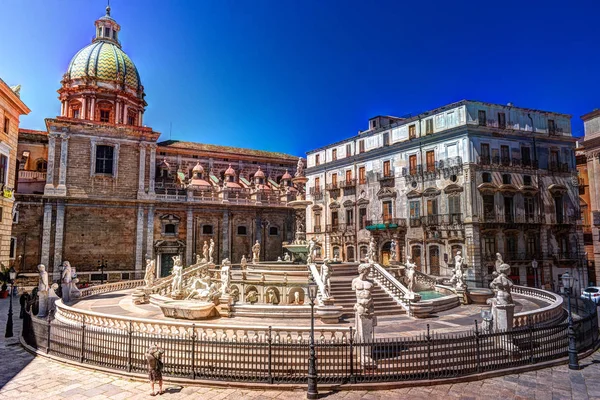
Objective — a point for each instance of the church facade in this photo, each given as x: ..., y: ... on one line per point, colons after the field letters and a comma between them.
x: 98, y: 188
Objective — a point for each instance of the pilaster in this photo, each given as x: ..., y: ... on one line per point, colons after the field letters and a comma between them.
x: 142, y: 171
x: 139, y: 242
x: 152, y: 170
x: 59, y: 234
x: 61, y: 189
x: 225, y: 236
x: 49, y: 188
x: 189, y: 236
x: 47, y: 236
x: 150, y: 232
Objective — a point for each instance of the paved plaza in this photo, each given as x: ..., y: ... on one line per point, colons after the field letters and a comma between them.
x: 24, y: 376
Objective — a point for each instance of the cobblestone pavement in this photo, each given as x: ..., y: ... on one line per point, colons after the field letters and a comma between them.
x: 23, y: 376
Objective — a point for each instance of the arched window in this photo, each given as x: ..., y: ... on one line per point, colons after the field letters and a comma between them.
x: 75, y: 109
x: 104, y: 112
x: 41, y: 165
x: 131, y: 117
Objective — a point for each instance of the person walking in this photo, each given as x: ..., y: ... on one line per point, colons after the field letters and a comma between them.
x: 155, y: 366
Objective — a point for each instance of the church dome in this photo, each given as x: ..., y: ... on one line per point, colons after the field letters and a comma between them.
x: 105, y: 61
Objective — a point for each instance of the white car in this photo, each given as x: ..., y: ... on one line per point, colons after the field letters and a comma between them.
x: 591, y: 293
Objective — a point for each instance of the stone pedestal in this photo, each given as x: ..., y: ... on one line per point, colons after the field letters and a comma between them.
x: 365, y: 332
x: 224, y: 306
x: 503, y: 316
x: 463, y: 295
x: 328, y: 312
x: 43, y: 304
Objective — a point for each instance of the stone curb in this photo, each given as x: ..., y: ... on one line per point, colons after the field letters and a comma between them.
x: 324, y: 385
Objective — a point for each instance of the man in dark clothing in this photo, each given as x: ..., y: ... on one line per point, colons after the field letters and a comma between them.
x: 155, y: 366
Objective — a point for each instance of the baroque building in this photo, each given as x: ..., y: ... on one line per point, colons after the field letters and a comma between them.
x: 474, y: 177
x: 11, y: 109
x: 97, y: 184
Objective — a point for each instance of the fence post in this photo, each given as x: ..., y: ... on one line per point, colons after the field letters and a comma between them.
x: 82, y: 338
x: 193, y: 351
x: 478, y: 348
x: 428, y: 337
x: 530, y: 325
x: 352, y: 377
x: 270, y: 340
x: 129, y: 346
x: 48, y: 333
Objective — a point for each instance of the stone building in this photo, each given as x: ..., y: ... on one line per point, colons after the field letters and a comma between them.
x: 591, y: 151
x: 586, y: 213
x: 98, y: 185
x: 470, y: 176
x: 11, y: 109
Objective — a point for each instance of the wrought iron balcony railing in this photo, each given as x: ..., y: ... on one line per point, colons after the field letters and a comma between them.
x: 558, y: 167
x: 348, y: 183
x: 498, y: 161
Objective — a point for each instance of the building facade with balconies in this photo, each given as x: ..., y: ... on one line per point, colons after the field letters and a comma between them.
x: 471, y: 176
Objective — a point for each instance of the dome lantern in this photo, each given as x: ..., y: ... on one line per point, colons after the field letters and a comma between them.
x: 107, y: 28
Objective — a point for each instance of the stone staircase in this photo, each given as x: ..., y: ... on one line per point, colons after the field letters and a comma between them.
x: 343, y: 295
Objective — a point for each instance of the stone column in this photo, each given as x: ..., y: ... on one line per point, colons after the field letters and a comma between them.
x: 62, y: 108
x: 59, y: 234
x: 46, y: 237
x: 152, y: 169
x: 83, y: 113
x: 140, y: 116
x: 49, y: 188
x: 139, y: 241
x: 226, y: 248
x: 189, y: 236
x: 61, y: 189
x: 118, y: 112
x: 150, y: 232
x: 93, y: 109
x: 124, y: 112
x: 142, y: 171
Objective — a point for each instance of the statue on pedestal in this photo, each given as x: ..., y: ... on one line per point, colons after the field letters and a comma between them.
x: 52, y: 298
x: 503, y: 307
x: 364, y: 312
x: 211, y: 249
x: 372, y: 252
x: 205, y: 252
x: 225, y: 276
x: 243, y: 265
x: 312, y: 251
x: 499, y: 262
x: 393, y: 250
x: 502, y: 285
x: 410, y: 274
x: 43, y: 291
x: 272, y: 296
x: 66, y: 282
x: 75, y: 293
x: 177, y: 276
x: 326, y: 276
x: 458, y: 277
x: 150, y: 272
x: 256, y: 252
x: 299, y: 169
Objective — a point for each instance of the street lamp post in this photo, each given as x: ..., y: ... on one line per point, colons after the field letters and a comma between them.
x: 534, y: 265
x: 312, y: 392
x: 567, y: 281
x: 101, y: 265
x: 9, y: 322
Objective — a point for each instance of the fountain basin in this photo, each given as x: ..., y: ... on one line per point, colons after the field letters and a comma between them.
x: 184, y: 309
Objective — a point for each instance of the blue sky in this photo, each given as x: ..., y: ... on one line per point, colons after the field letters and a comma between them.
x: 292, y: 75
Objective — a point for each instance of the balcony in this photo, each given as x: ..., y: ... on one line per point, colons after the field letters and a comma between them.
x: 446, y: 168
x: 558, y: 167
x: 567, y: 256
x: 349, y: 183
x: 386, y: 179
x: 497, y: 161
x: 332, y: 186
x: 515, y: 256
x: 339, y: 228
x: 563, y: 219
x: 387, y: 223
x: 442, y: 220
x: 32, y: 175
x: 414, y: 222
x: 501, y: 218
x: 316, y: 192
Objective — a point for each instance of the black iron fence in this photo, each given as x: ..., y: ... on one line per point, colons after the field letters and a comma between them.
x: 270, y: 359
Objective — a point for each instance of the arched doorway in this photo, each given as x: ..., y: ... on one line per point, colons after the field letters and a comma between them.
x: 363, y: 252
x: 415, y: 254
x: 350, y: 253
x: 385, y: 253
x: 336, y: 253
x: 434, y: 260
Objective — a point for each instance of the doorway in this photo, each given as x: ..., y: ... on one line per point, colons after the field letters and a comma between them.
x: 166, y: 264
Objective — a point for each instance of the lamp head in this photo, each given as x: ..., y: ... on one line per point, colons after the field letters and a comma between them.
x: 534, y: 264
x: 12, y: 273
x: 567, y: 280
x: 312, y: 289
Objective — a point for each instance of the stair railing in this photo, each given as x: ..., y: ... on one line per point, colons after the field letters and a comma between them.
x: 392, y: 286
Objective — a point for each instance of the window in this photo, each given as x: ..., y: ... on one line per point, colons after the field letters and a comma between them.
x: 511, y: 245
x: 551, y: 127
x: 387, y: 211
x: 334, y: 219
x: 508, y: 209
x: 559, y: 209
x: 485, y: 153
x: 317, y: 159
x: 486, y: 177
x: 386, y: 139
x: 387, y: 171
x: 501, y: 120
x: 412, y: 164
x: 432, y: 208
x: 41, y: 166
x: 529, y: 205
x: 454, y: 209
x: 317, y: 185
x: 362, y: 218
x: 15, y: 217
x: 489, y: 212
x: 362, y: 176
x: 334, y: 180
x: 242, y: 230
x: 350, y: 217
x: 526, y: 156
x: 104, y: 115
x: 76, y: 113
x: 104, y: 159
x: 506, y: 179
x: 334, y: 154
x: 130, y: 119
x: 361, y: 146
x: 505, y: 155
x: 317, y: 222
x: 273, y: 231
x: 348, y: 176
x: 412, y: 131
x: 115, y: 35
x: 532, y: 245
x: 348, y: 150
x: 3, y: 169
x: 13, y: 248
x: 107, y: 31
x: 489, y: 245
x: 207, y: 229
x: 169, y: 229
x: 554, y: 158
x: 429, y: 126
x: 482, y: 118
x: 430, y: 155
x: 6, y: 125
x: 414, y: 207
x: 374, y: 124
x: 527, y: 180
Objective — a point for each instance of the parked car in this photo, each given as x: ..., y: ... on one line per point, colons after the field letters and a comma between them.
x: 591, y: 293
